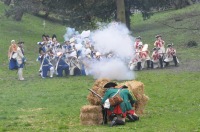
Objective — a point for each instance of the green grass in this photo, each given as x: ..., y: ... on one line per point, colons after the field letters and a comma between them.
x: 54, y: 104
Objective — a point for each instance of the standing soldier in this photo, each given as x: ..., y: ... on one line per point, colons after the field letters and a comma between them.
x: 171, y: 55
x: 20, y: 59
x: 160, y: 45
x: 12, y: 55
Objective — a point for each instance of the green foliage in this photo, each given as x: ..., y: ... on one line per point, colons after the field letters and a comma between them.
x: 54, y: 104
x: 192, y: 44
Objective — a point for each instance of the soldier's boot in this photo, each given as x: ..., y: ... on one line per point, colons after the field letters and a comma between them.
x: 175, y: 60
x: 120, y: 122
x: 139, y: 66
x: 20, y: 74
x: 148, y: 64
x: 51, y: 72
x: 130, y: 117
x: 116, y: 121
x: 161, y: 62
x: 113, y: 122
x: 135, y: 117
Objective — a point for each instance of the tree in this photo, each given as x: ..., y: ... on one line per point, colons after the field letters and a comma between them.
x: 84, y: 13
x: 23, y: 6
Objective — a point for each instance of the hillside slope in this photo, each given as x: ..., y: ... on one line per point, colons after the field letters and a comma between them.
x: 177, y: 27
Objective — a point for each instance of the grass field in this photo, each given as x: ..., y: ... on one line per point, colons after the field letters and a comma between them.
x: 54, y: 104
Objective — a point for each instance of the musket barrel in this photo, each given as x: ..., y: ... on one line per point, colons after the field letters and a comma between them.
x: 95, y: 93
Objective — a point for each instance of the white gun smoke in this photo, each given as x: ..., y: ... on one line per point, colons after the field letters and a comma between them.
x: 115, y: 38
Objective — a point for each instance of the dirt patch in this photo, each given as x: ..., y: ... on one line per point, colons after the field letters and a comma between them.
x: 189, y: 65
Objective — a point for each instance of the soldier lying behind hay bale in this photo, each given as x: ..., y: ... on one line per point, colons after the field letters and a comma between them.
x: 136, y: 88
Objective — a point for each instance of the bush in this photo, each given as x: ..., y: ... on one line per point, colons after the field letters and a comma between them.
x: 192, y: 43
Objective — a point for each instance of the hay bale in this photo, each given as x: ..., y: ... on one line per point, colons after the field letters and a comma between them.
x: 140, y: 105
x: 90, y: 109
x: 137, y: 89
x: 91, y: 115
x: 135, y: 86
x: 98, y: 88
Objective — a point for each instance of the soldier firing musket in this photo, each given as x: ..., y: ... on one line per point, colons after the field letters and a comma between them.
x: 61, y: 65
x: 143, y: 56
x: 46, y: 65
x: 157, y: 60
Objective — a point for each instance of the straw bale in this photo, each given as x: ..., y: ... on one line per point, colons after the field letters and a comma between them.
x: 98, y: 88
x: 93, y: 100
x: 101, y: 82
x: 91, y: 109
x: 140, y: 105
x: 135, y: 86
x: 91, y: 115
x: 145, y: 98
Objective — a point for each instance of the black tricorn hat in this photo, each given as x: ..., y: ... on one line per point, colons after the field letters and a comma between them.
x: 124, y: 86
x: 154, y: 48
x: 169, y: 45
x: 20, y: 42
x: 54, y: 36
x: 158, y: 36
x: 110, y: 84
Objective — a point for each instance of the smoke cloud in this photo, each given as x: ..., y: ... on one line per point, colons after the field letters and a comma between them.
x: 113, y: 69
x: 115, y: 38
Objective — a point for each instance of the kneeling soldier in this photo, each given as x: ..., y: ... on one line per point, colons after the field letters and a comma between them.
x: 118, y: 113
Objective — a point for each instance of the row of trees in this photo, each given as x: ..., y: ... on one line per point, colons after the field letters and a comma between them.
x: 87, y: 12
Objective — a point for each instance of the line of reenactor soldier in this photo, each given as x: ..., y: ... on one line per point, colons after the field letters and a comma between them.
x: 159, y: 58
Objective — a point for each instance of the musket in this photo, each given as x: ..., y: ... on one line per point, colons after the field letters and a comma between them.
x: 95, y: 93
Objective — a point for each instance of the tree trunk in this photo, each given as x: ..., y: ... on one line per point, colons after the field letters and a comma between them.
x: 121, y: 11
x: 128, y: 13
x: 18, y: 16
